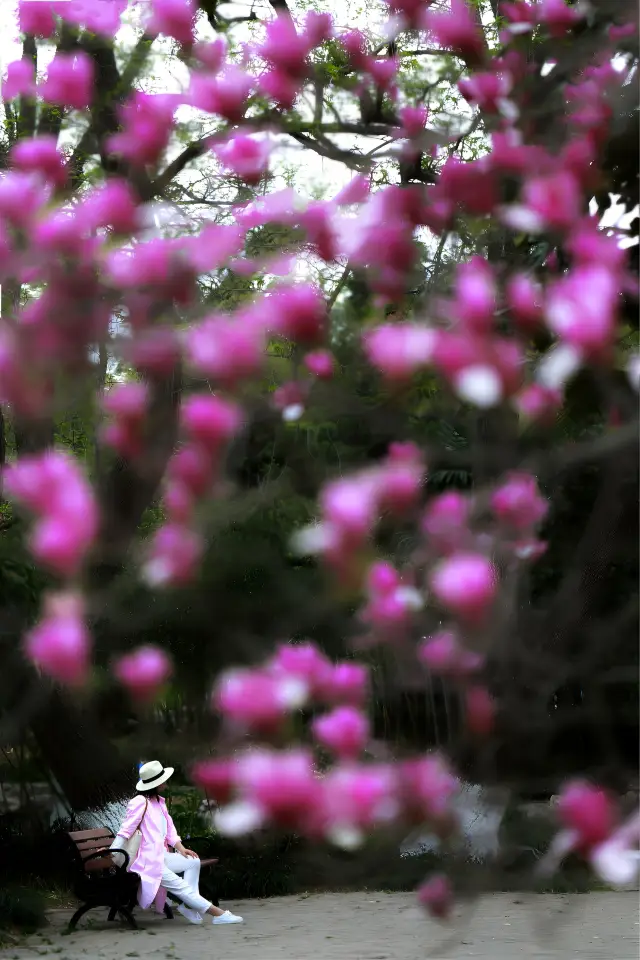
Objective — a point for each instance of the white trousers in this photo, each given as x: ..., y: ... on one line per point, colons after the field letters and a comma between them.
x: 184, y: 887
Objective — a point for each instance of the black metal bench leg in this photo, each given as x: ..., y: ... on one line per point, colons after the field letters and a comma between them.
x: 112, y: 913
x: 168, y: 912
x: 128, y: 916
x: 80, y: 912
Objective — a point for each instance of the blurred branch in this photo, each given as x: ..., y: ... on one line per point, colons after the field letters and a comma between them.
x: 26, y: 124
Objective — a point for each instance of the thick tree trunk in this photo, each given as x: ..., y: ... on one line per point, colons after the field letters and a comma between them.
x: 86, y: 765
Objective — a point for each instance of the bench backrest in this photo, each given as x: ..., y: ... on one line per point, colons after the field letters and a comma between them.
x: 87, y: 842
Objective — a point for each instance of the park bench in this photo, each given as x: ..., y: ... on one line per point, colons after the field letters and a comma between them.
x: 99, y: 881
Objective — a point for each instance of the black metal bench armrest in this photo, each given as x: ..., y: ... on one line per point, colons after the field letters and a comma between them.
x: 103, y: 852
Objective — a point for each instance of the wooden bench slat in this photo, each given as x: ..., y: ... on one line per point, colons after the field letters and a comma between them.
x: 90, y: 834
x: 94, y: 845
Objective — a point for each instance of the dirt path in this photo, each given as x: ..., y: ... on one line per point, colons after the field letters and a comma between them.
x: 364, y: 926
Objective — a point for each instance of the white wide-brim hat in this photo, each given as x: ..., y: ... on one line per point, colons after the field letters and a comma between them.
x: 152, y: 774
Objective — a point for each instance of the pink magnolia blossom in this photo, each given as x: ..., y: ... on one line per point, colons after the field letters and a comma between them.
x: 524, y: 299
x: 60, y: 643
x: 318, y: 225
x: 53, y: 486
x: 382, y: 579
x: 409, y: 12
x: 558, y: 16
x: 457, y: 29
x: 155, y: 351
x: 305, y: 662
x: 400, y: 350
x: 465, y: 584
x: 246, y: 156
x: 517, y: 502
x: 529, y: 548
x: 216, y: 777
x: 589, y: 245
x: 318, y: 27
x: 20, y: 80
x: 37, y: 17
x: 192, y: 466
x: 290, y: 399
x: 40, y: 155
x: 157, y: 264
x: 103, y: 19
x: 111, y: 205
x: 173, y: 18
x: 144, y: 671
x: 487, y: 90
x: 210, y: 420
x: 472, y: 186
x: 551, y: 202
x: 211, y: 55
x: 521, y: 16
x: 213, y: 247
x: 413, y: 120
x: 428, y: 787
x: 147, y: 120
x: 127, y: 404
x: 588, y: 812
x: 179, y: 503
x: 480, y: 710
x: 617, y: 859
x: 173, y: 557
x: 401, y: 478
x: 581, y: 308
x: 391, y: 603
x: 445, y: 521
x: 69, y: 80
x: 285, y: 49
x: 126, y: 400
x: 384, y: 72
x: 279, y: 87
x: 259, y: 700
x: 226, y: 94
x: 443, y: 654
x: 475, y: 303
x: 350, y: 506
x: 344, y: 731
x: 481, y: 370
x: 436, y: 896
x: 621, y: 31
x: 228, y: 350
x: 538, y: 403
x: 356, y: 191
x: 356, y: 798
x: 347, y: 684
x: 355, y: 45
x: 281, y: 786
x: 320, y: 364
x: 298, y: 312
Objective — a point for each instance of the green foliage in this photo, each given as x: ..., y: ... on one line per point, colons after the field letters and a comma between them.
x: 261, y: 867
x: 21, y: 909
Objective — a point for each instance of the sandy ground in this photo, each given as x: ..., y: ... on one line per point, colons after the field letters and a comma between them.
x: 364, y: 926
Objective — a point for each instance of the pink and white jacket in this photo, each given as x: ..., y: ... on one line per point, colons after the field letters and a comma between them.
x: 158, y: 834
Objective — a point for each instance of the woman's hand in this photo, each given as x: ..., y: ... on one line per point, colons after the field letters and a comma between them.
x: 186, y: 853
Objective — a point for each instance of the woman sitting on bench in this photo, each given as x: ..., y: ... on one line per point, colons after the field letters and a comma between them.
x: 157, y: 866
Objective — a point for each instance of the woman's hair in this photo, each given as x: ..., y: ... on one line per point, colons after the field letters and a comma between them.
x: 149, y: 793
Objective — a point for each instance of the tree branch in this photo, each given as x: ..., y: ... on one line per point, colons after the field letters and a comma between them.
x: 26, y: 125
x: 171, y: 171
x: 331, y: 152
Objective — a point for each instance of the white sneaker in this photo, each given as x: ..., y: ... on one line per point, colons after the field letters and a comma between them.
x: 191, y: 915
x: 227, y: 917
